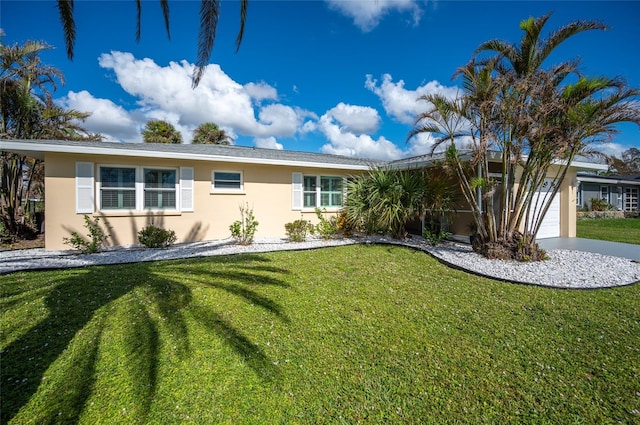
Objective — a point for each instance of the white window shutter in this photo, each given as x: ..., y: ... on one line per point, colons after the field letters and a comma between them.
x: 85, y: 199
x: 296, y: 191
x: 186, y: 189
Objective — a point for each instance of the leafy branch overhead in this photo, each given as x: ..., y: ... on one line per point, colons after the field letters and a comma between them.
x: 209, y: 15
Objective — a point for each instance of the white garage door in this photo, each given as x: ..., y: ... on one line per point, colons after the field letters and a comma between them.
x: 550, y: 227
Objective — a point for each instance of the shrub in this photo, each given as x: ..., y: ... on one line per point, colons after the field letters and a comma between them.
x: 155, y: 237
x: 297, y: 231
x: 326, y: 228
x: 97, y: 237
x: 343, y: 224
x: 600, y: 205
x: 435, y: 237
x: 243, y: 230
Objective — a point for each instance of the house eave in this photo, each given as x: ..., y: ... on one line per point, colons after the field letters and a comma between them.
x: 596, y: 179
x: 38, y: 150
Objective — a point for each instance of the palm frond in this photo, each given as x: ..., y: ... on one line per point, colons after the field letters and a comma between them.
x: 138, y: 19
x: 244, y: 4
x: 164, y: 4
x: 65, y: 10
x: 209, y: 13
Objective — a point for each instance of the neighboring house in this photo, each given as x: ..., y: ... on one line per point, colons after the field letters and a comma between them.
x: 196, y: 190
x: 621, y: 192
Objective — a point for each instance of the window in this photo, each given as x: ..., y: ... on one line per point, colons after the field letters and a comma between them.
x: 160, y: 188
x: 139, y: 188
x: 322, y: 191
x: 331, y: 191
x: 227, y: 181
x: 117, y: 188
x: 604, y: 193
x: 630, y: 198
x: 309, y: 192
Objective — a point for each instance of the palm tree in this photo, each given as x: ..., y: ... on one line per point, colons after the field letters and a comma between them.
x: 209, y: 15
x: 160, y: 131
x: 385, y: 199
x: 533, y: 118
x: 209, y: 133
x: 28, y: 112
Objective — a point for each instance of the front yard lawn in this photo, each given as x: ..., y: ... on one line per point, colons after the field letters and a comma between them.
x: 357, y: 334
x: 610, y: 229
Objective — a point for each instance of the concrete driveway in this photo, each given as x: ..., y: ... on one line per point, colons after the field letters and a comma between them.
x: 615, y: 249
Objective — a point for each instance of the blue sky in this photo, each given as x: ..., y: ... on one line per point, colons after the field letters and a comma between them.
x: 335, y: 76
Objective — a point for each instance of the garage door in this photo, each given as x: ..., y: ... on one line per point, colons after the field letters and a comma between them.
x: 550, y: 227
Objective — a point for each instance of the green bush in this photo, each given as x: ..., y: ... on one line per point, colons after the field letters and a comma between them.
x: 343, y: 224
x: 326, y: 228
x: 97, y: 237
x: 155, y: 237
x: 243, y: 230
x: 297, y: 231
x: 435, y: 237
x: 600, y: 205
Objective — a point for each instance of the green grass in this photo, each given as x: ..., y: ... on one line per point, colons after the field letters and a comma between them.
x: 358, y: 334
x: 610, y: 229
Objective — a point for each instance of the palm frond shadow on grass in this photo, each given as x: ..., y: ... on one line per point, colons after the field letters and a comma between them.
x: 69, y: 337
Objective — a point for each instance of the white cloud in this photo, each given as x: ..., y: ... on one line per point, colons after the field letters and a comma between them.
x: 610, y: 148
x: 342, y: 142
x: 356, y: 119
x: 366, y: 14
x: 278, y: 120
x: 268, y: 142
x: 166, y: 90
x: 106, y: 117
x: 403, y: 104
x: 261, y: 91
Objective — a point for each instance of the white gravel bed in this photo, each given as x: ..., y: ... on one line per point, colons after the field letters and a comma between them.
x: 563, y: 269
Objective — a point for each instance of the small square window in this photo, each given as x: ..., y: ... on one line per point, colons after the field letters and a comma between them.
x: 227, y: 181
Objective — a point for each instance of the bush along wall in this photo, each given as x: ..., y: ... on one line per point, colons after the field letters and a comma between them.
x: 584, y: 215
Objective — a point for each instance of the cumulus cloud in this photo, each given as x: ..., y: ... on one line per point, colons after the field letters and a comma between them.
x: 106, y: 118
x: 268, y: 143
x: 261, y: 91
x: 611, y: 148
x: 367, y: 14
x: 356, y: 119
x: 278, y: 120
x: 218, y: 98
x: 348, y: 143
x: 402, y: 104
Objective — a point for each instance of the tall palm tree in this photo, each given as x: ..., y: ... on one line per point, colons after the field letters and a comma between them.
x: 209, y: 133
x: 532, y: 116
x: 160, y: 131
x: 209, y: 15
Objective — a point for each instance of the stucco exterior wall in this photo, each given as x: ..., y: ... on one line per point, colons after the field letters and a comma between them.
x: 267, y: 189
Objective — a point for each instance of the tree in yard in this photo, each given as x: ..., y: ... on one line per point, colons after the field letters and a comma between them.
x: 209, y: 14
x: 209, y: 133
x: 628, y: 163
x: 532, y: 121
x: 28, y: 112
x: 160, y: 131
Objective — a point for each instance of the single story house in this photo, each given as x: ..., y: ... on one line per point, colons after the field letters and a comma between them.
x: 196, y: 190
x: 621, y: 192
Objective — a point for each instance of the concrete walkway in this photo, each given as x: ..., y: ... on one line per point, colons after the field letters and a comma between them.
x: 614, y: 249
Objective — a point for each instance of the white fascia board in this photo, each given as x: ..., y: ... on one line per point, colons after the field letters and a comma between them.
x: 589, y: 166
x: 92, y: 150
x: 596, y: 179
